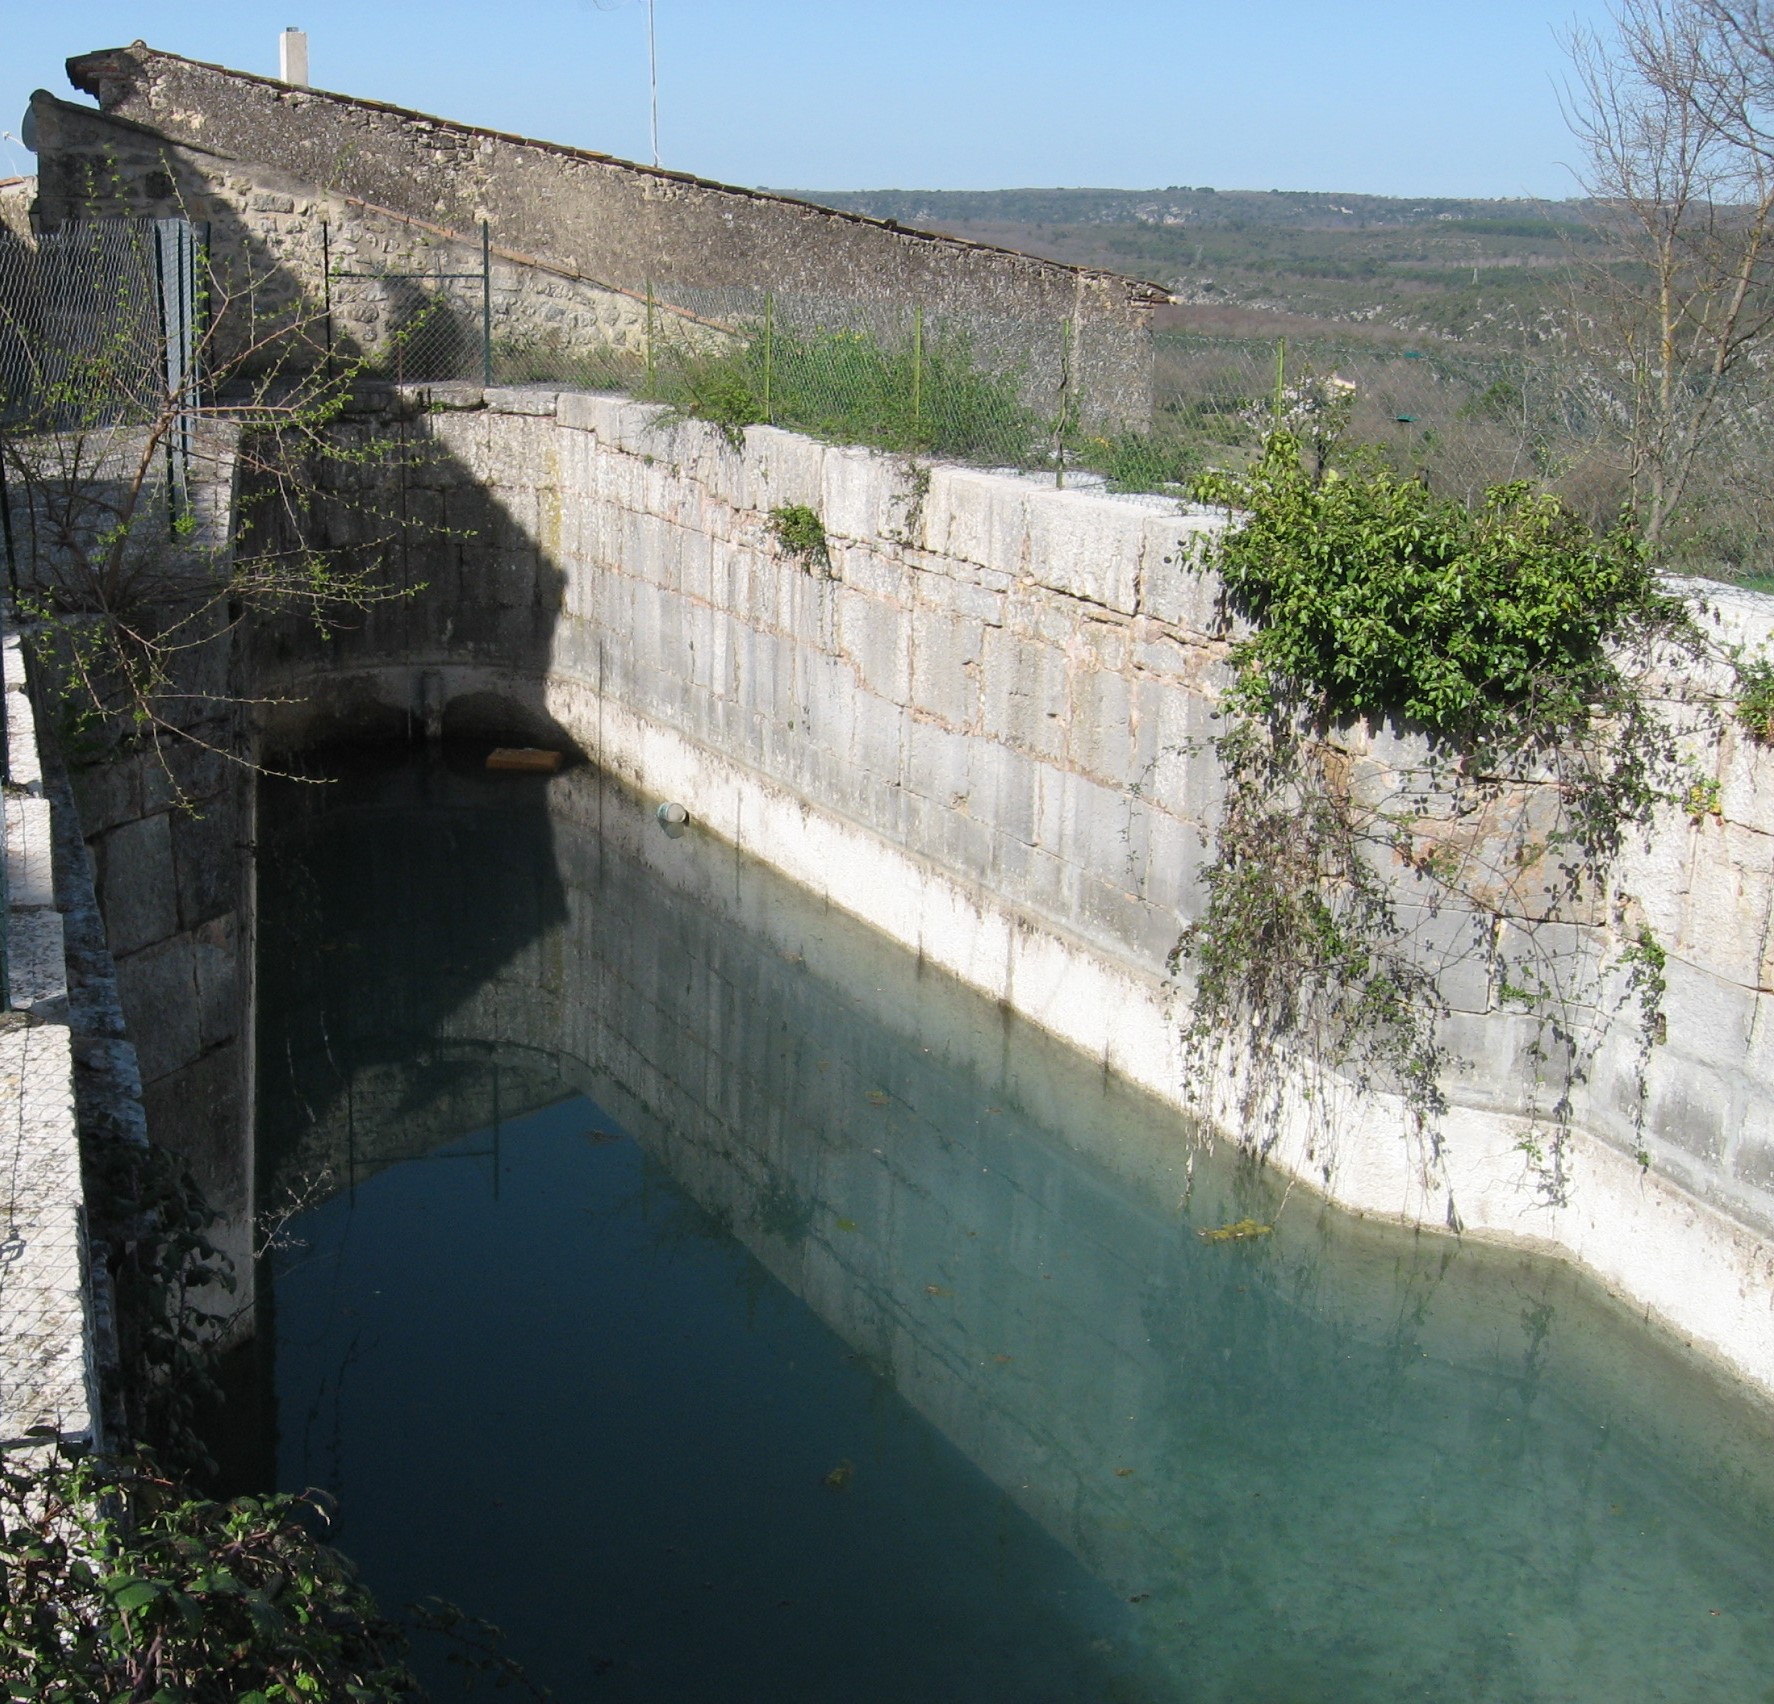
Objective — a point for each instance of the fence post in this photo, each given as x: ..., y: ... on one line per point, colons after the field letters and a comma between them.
x: 166, y: 337
x: 1280, y: 409
x: 769, y: 356
x: 202, y: 307
x: 187, y: 329
x: 326, y: 290
x: 1065, y: 404
x: 6, y: 527
x: 918, y: 373
x: 486, y: 303
x: 649, y: 336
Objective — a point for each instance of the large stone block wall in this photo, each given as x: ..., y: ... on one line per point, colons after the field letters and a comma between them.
x: 632, y: 229
x: 982, y: 725
x: 163, y: 828
x: 169, y: 833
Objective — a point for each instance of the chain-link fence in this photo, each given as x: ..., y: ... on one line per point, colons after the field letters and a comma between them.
x: 100, y: 331
x: 101, y: 316
x: 975, y: 386
x: 1008, y: 392
x: 98, y: 321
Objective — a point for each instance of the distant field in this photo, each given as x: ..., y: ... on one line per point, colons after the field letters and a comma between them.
x: 1482, y: 271
x: 1447, y: 317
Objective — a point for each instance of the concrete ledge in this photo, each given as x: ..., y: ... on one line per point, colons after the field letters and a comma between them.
x: 47, y: 1386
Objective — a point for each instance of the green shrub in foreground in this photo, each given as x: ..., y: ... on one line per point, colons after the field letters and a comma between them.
x: 116, y: 1583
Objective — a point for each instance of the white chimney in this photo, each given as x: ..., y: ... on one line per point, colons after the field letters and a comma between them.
x: 292, y: 48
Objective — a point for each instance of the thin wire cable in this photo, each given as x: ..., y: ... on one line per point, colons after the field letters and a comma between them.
x: 652, y: 65
x: 653, y: 79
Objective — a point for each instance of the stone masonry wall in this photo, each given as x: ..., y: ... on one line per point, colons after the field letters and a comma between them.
x: 48, y: 1383
x: 982, y: 728
x: 275, y: 239
x: 167, y: 122
x: 164, y: 827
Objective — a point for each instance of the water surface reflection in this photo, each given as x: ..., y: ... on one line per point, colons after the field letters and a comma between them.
x: 734, y: 1308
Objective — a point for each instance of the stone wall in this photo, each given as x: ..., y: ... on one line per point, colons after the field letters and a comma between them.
x: 233, y: 148
x: 981, y: 727
x: 275, y: 240
x: 17, y: 195
x: 48, y: 1319
x: 162, y: 828
x: 169, y: 833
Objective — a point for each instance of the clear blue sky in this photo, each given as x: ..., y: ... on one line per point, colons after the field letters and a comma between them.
x: 1400, y: 97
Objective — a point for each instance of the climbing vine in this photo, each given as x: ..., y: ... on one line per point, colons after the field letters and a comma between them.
x: 1434, y: 744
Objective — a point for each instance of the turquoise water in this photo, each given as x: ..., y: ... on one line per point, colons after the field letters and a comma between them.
x: 732, y: 1308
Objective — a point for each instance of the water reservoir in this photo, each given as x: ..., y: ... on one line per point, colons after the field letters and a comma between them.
x: 732, y: 1308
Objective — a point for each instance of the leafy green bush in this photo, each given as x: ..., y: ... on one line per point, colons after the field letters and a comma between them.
x: 1372, y: 596
x: 1506, y: 631
x: 117, y: 1584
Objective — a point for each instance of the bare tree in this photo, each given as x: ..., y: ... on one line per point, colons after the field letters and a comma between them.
x: 132, y: 424
x: 1674, y: 109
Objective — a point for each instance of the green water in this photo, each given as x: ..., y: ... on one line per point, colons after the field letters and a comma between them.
x: 732, y: 1308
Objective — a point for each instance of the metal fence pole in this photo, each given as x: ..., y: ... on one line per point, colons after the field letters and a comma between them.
x: 166, y: 334
x: 1065, y: 402
x: 769, y: 355
x: 6, y: 529
x: 486, y: 303
x: 918, y: 372
x: 186, y: 240
x: 649, y: 334
x: 326, y: 289
x: 202, y: 307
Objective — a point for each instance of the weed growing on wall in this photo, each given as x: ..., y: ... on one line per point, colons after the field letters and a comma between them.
x: 1755, y: 699
x: 1161, y: 459
x: 801, y: 534
x: 848, y: 387
x: 1494, y: 650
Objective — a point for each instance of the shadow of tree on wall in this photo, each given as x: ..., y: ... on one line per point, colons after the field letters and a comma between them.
x: 476, y: 597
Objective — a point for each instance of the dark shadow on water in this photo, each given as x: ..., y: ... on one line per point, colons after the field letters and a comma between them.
x: 733, y: 1308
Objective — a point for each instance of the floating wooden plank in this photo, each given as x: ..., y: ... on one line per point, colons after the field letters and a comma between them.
x: 529, y: 760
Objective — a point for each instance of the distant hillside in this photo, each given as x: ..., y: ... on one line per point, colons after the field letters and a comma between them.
x: 1181, y: 205
x: 1473, y: 270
